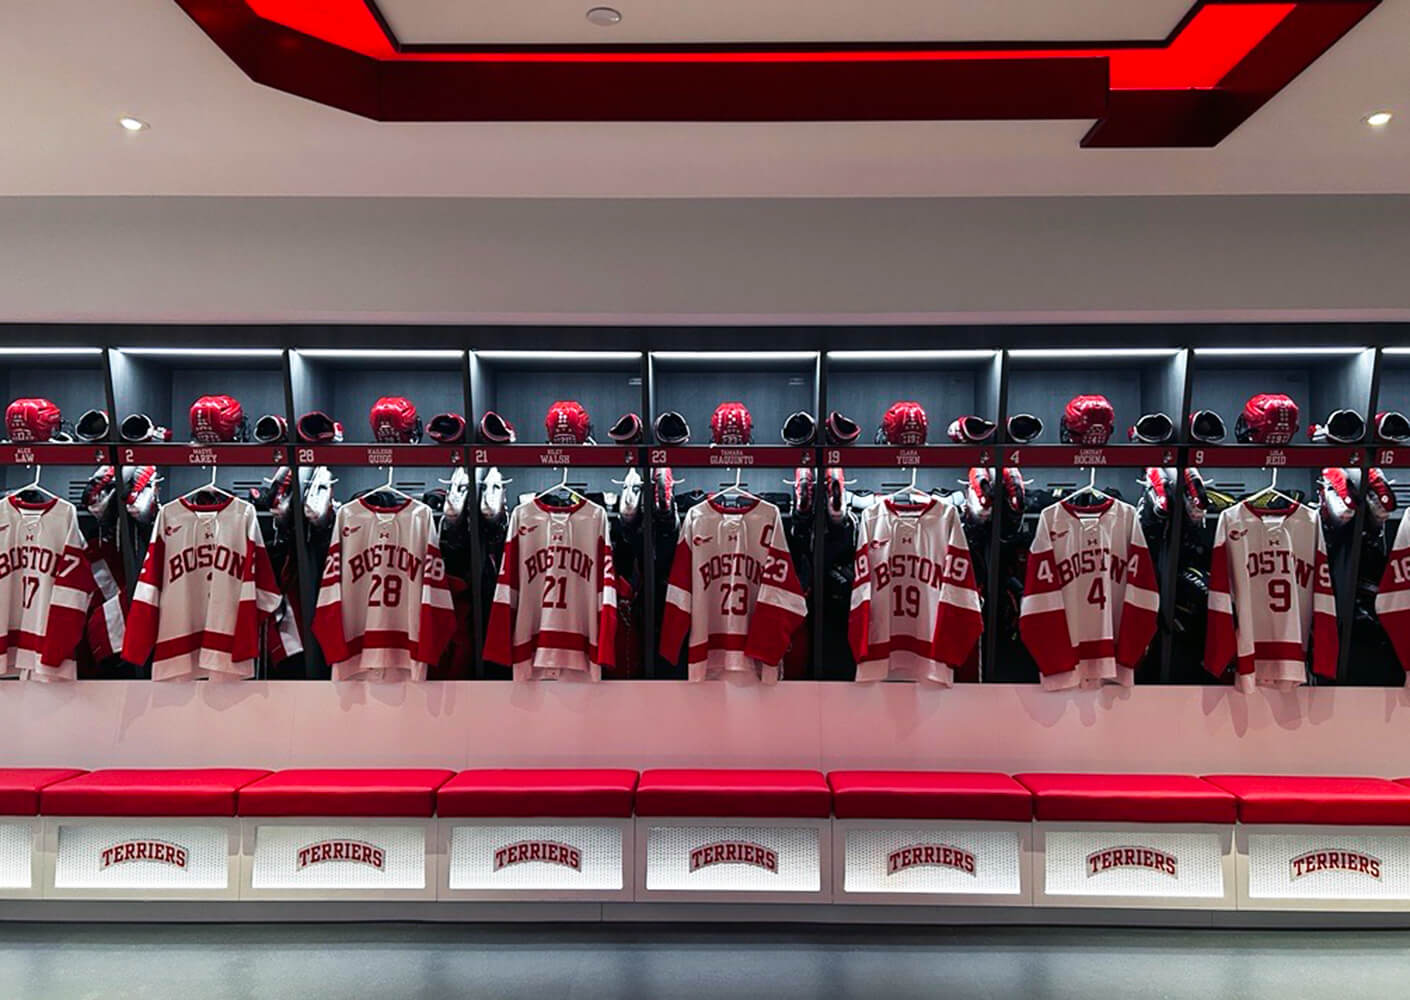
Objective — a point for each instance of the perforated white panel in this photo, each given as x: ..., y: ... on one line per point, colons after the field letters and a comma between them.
x: 16, y: 854
x: 142, y: 856
x: 1082, y: 863
x: 733, y: 859
x: 1321, y: 866
x: 932, y: 859
x: 536, y: 857
x: 339, y: 857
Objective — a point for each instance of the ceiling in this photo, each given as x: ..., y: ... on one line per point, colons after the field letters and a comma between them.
x: 74, y: 66
x: 668, y: 21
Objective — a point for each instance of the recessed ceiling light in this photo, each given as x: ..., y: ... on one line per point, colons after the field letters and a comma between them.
x: 133, y: 124
x: 1379, y: 119
x: 604, y: 17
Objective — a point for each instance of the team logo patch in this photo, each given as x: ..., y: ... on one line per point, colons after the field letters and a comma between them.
x: 546, y: 851
x: 734, y: 852
x: 170, y: 529
x: 1236, y: 533
x: 524, y: 529
x: 1328, y: 860
x: 355, y: 851
x: 1132, y: 857
x: 159, y: 851
x: 930, y: 856
x: 349, y: 529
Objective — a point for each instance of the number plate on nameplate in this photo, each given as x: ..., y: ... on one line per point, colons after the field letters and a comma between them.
x: 767, y: 456
x: 934, y: 456
x: 53, y: 454
x: 203, y: 454
x: 551, y: 456
x: 1291, y: 456
x: 1078, y: 456
x: 379, y: 454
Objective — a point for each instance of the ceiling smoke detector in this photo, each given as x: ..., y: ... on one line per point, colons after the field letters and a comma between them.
x: 604, y: 17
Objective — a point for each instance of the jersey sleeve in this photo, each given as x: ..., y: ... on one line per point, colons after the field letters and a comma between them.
x: 328, y: 616
x: 499, y: 631
x: 675, y: 616
x: 1393, y: 596
x: 1220, y: 642
x: 437, y: 606
x: 73, y: 592
x: 1141, y: 605
x: 1042, y: 616
x: 1325, y: 644
x: 267, y: 595
x: 859, y: 617
x: 959, y: 620
x: 145, y: 614
x: 781, y: 607
x: 606, y: 600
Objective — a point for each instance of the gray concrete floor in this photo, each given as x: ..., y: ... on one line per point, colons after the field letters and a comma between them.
x: 438, y: 962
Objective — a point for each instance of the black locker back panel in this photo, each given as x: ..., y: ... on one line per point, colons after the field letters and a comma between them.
x: 1045, y: 393
x: 523, y: 397
x: 74, y: 390
x: 259, y: 391
x: 770, y: 396
x: 1225, y: 392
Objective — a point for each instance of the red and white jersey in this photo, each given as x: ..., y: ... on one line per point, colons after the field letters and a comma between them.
x: 1393, y: 600
x: 107, y: 610
x: 555, y: 603
x: 384, y: 608
x: 1269, y: 586
x: 204, y: 585
x: 45, y: 588
x: 733, y: 589
x: 915, y: 606
x: 1090, y: 599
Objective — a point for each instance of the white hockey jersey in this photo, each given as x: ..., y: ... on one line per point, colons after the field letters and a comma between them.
x: 555, y: 603
x: 1269, y: 587
x: 1090, y: 599
x: 45, y: 588
x: 1393, y: 597
x: 384, y: 607
x: 732, y: 588
x: 204, y: 585
x: 915, y: 607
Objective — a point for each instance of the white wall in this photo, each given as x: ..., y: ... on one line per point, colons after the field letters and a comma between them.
x: 1014, y: 259
x: 645, y: 724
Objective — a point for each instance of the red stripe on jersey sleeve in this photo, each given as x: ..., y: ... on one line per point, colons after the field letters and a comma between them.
x: 773, y: 624
x: 607, y: 601
x: 499, y: 632
x: 68, y: 609
x: 142, y: 620
x: 958, y: 626
x: 328, y: 617
x: 859, y: 619
x: 1045, y: 633
x: 437, y: 613
x: 1325, y: 645
x: 1138, y: 623
x: 675, y: 618
x: 1220, y: 642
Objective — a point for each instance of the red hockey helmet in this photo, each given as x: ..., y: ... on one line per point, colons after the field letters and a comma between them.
x: 731, y: 424
x: 904, y: 423
x: 394, y: 420
x: 1087, y: 420
x: 33, y: 419
x: 567, y: 422
x: 217, y: 418
x: 1268, y: 418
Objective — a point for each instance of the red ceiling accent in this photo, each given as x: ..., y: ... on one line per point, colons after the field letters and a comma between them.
x: 1224, y: 61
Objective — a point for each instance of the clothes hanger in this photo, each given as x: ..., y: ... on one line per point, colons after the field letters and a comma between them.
x: 389, y: 486
x: 210, y: 487
x: 561, y: 485
x: 1271, y: 490
x: 906, y: 495
x: 1091, y: 488
x: 34, y: 486
x: 738, y: 489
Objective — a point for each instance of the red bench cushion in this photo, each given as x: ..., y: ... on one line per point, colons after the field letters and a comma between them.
x: 538, y: 792
x: 929, y: 795
x: 20, y: 787
x: 1128, y: 798
x: 345, y: 792
x: 1317, y: 801
x: 206, y: 791
x: 733, y: 793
